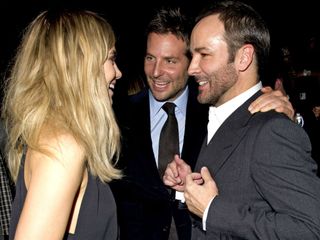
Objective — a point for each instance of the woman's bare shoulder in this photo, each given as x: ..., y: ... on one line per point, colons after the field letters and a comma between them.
x: 58, y: 145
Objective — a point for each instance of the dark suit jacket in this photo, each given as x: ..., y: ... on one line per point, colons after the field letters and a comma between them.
x: 266, y: 178
x: 145, y: 207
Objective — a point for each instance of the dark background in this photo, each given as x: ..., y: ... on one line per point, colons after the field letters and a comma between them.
x: 290, y: 24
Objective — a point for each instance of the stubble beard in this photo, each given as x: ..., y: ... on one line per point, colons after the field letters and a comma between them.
x: 219, y: 83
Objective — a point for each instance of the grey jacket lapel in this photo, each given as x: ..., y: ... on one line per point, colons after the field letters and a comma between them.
x: 226, y: 139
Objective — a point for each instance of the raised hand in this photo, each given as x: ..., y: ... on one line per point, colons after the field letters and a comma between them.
x: 197, y: 195
x: 176, y: 172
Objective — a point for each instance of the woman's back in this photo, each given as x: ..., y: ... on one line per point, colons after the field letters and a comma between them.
x: 92, y: 213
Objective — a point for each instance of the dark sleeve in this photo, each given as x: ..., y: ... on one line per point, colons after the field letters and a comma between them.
x: 283, y: 174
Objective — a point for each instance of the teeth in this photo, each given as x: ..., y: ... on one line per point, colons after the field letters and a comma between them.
x: 161, y: 83
x: 202, y: 83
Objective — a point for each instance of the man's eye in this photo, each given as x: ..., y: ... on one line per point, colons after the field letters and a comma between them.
x: 149, y: 58
x: 203, y: 54
x: 172, y: 61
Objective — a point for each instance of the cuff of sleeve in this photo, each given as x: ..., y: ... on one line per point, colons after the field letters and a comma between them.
x: 205, y: 215
x: 180, y: 196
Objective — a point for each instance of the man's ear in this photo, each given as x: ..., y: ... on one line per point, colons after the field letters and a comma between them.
x: 245, y: 57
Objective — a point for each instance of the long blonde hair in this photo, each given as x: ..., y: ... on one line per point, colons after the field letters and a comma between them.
x: 58, y: 80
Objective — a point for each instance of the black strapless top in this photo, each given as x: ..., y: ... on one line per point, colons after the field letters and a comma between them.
x: 97, y: 218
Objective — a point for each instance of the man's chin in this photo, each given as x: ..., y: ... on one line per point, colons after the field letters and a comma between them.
x: 201, y: 99
x: 160, y: 96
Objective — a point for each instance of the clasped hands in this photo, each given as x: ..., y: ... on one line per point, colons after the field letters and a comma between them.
x: 198, y: 188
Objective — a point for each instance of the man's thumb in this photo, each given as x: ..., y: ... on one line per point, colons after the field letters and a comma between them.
x: 205, y: 174
x: 179, y: 161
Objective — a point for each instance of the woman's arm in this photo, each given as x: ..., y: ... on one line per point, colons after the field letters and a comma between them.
x: 52, y: 183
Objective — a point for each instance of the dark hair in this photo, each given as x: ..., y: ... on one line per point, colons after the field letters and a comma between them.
x: 243, y: 25
x: 171, y: 21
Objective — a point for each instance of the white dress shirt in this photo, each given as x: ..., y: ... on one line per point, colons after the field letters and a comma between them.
x: 217, y: 115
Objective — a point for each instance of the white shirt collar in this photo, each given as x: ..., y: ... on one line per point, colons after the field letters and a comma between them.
x: 217, y: 115
x: 225, y: 110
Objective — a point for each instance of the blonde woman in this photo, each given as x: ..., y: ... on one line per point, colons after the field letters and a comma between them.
x: 63, y: 138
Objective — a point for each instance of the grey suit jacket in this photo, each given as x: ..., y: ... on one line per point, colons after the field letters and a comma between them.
x: 268, y: 188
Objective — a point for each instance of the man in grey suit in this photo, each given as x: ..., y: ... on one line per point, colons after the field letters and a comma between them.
x: 254, y: 177
x: 145, y: 207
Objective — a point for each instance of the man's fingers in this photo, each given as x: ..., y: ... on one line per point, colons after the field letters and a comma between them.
x: 266, y: 89
x: 272, y: 99
x: 169, y: 178
x: 281, y: 105
x: 206, y: 176
x: 189, y: 178
x: 178, y: 160
x: 172, y: 166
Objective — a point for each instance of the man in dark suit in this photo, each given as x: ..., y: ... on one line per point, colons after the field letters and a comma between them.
x: 145, y: 206
x: 254, y: 177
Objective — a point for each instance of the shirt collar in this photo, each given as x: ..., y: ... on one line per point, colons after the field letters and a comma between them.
x: 222, y: 112
x: 180, y: 102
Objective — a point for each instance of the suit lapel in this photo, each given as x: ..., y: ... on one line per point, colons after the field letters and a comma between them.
x: 226, y: 139
x: 141, y: 143
x: 195, y: 129
x: 145, y: 134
